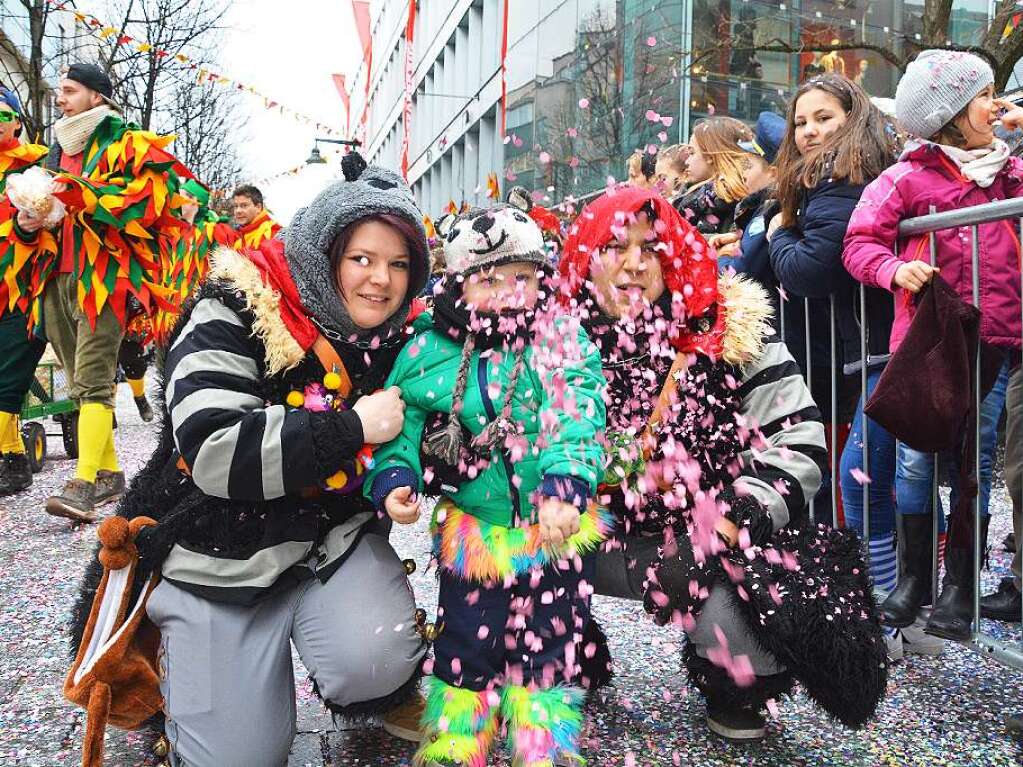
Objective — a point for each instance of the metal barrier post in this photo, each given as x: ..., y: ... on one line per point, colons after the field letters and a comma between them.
x: 977, y: 400
x: 1005, y: 652
x: 809, y: 378
x: 834, y: 411
x: 865, y: 467
x: 935, y: 482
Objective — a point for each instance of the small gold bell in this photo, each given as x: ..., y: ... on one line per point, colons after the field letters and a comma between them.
x: 410, y: 566
x: 431, y: 631
x: 161, y: 748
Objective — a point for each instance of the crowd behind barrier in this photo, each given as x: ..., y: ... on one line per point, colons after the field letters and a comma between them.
x: 827, y: 505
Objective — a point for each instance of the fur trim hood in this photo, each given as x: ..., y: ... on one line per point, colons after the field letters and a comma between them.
x: 279, y: 319
x: 747, y: 313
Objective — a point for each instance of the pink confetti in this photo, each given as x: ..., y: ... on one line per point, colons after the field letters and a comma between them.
x: 584, y: 103
x: 651, y: 41
x: 652, y: 116
x: 544, y: 158
x: 483, y: 632
x: 662, y: 136
x: 858, y: 474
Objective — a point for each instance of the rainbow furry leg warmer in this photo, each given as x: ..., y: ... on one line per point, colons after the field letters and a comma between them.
x: 543, y: 725
x: 459, y: 725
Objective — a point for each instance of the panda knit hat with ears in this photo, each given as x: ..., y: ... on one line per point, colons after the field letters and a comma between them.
x: 487, y: 237
x: 483, y: 239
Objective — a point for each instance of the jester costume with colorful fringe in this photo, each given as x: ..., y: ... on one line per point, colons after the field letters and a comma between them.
x: 17, y: 257
x: 120, y: 220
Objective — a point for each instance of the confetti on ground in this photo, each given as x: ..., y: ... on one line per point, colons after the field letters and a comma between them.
x: 943, y: 710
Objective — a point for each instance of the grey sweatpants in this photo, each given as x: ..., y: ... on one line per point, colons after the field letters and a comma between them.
x: 226, y: 670
x: 621, y: 572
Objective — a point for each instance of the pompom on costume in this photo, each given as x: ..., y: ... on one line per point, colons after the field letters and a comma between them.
x: 501, y: 411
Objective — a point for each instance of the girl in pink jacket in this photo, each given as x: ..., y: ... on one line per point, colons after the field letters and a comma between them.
x: 946, y: 99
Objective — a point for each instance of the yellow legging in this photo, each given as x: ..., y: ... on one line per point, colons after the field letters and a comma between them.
x: 10, y: 434
x: 95, y: 441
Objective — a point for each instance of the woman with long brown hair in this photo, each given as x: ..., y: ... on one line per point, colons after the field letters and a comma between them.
x: 716, y: 171
x: 836, y: 143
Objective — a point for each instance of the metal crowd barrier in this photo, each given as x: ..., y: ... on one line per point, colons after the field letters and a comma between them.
x: 1009, y: 653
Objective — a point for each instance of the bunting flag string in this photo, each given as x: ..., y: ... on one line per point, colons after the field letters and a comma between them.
x: 1013, y: 22
x: 205, y: 74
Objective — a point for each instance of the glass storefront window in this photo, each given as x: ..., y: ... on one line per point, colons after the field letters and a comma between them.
x: 604, y: 78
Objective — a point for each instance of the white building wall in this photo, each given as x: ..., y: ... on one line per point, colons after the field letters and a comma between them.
x: 456, y: 89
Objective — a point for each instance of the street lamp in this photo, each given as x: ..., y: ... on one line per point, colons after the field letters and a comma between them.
x: 315, y: 158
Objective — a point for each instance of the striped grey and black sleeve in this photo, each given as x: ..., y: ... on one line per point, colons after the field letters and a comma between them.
x: 236, y: 445
x: 784, y: 470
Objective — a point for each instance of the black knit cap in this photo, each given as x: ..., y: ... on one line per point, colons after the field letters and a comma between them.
x: 92, y: 77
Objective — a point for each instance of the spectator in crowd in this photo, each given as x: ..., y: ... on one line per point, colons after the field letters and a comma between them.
x: 251, y: 220
x: 946, y: 100
x: 746, y: 250
x: 642, y: 167
x: 716, y: 174
x: 835, y: 143
x: 670, y: 170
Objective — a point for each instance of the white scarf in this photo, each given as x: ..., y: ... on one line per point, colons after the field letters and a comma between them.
x: 73, y: 133
x: 980, y: 166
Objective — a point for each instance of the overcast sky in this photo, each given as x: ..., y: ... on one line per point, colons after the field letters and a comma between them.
x: 289, y: 50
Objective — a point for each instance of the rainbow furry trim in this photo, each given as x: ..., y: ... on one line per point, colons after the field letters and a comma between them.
x: 458, y: 725
x: 543, y: 724
x: 479, y: 551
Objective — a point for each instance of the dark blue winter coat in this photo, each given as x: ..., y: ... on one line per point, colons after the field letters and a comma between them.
x: 807, y: 261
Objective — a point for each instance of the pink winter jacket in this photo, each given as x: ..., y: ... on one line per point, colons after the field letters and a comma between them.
x: 925, y: 176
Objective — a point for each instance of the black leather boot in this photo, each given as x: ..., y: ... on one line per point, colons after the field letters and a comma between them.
x: 952, y: 616
x: 15, y: 473
x: 1003, y: 605
x: 913, y: 591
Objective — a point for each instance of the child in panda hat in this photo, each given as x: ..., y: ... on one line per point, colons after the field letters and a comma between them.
x: 503, y: 411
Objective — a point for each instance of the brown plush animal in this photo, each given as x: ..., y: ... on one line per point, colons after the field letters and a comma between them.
x: 115, y: 676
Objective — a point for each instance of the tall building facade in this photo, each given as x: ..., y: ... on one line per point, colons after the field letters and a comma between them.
x: 588, y: 82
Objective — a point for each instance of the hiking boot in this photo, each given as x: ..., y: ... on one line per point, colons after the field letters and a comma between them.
x: 109, y: 486
x: 15, y: 473
x: 1004, y: 604
x: 403, y: 722
x: 75, y: 502
x: 145, y: 409
x: 952, y: 616
x: 736, y: 724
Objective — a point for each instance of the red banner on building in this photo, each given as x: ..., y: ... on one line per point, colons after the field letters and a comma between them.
x: 504, y: 68
x: 362, y: 22
x: 406, y: 117
x: 339, y: 83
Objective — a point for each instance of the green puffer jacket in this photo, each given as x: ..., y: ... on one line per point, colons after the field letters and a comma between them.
x: 558, y: 398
